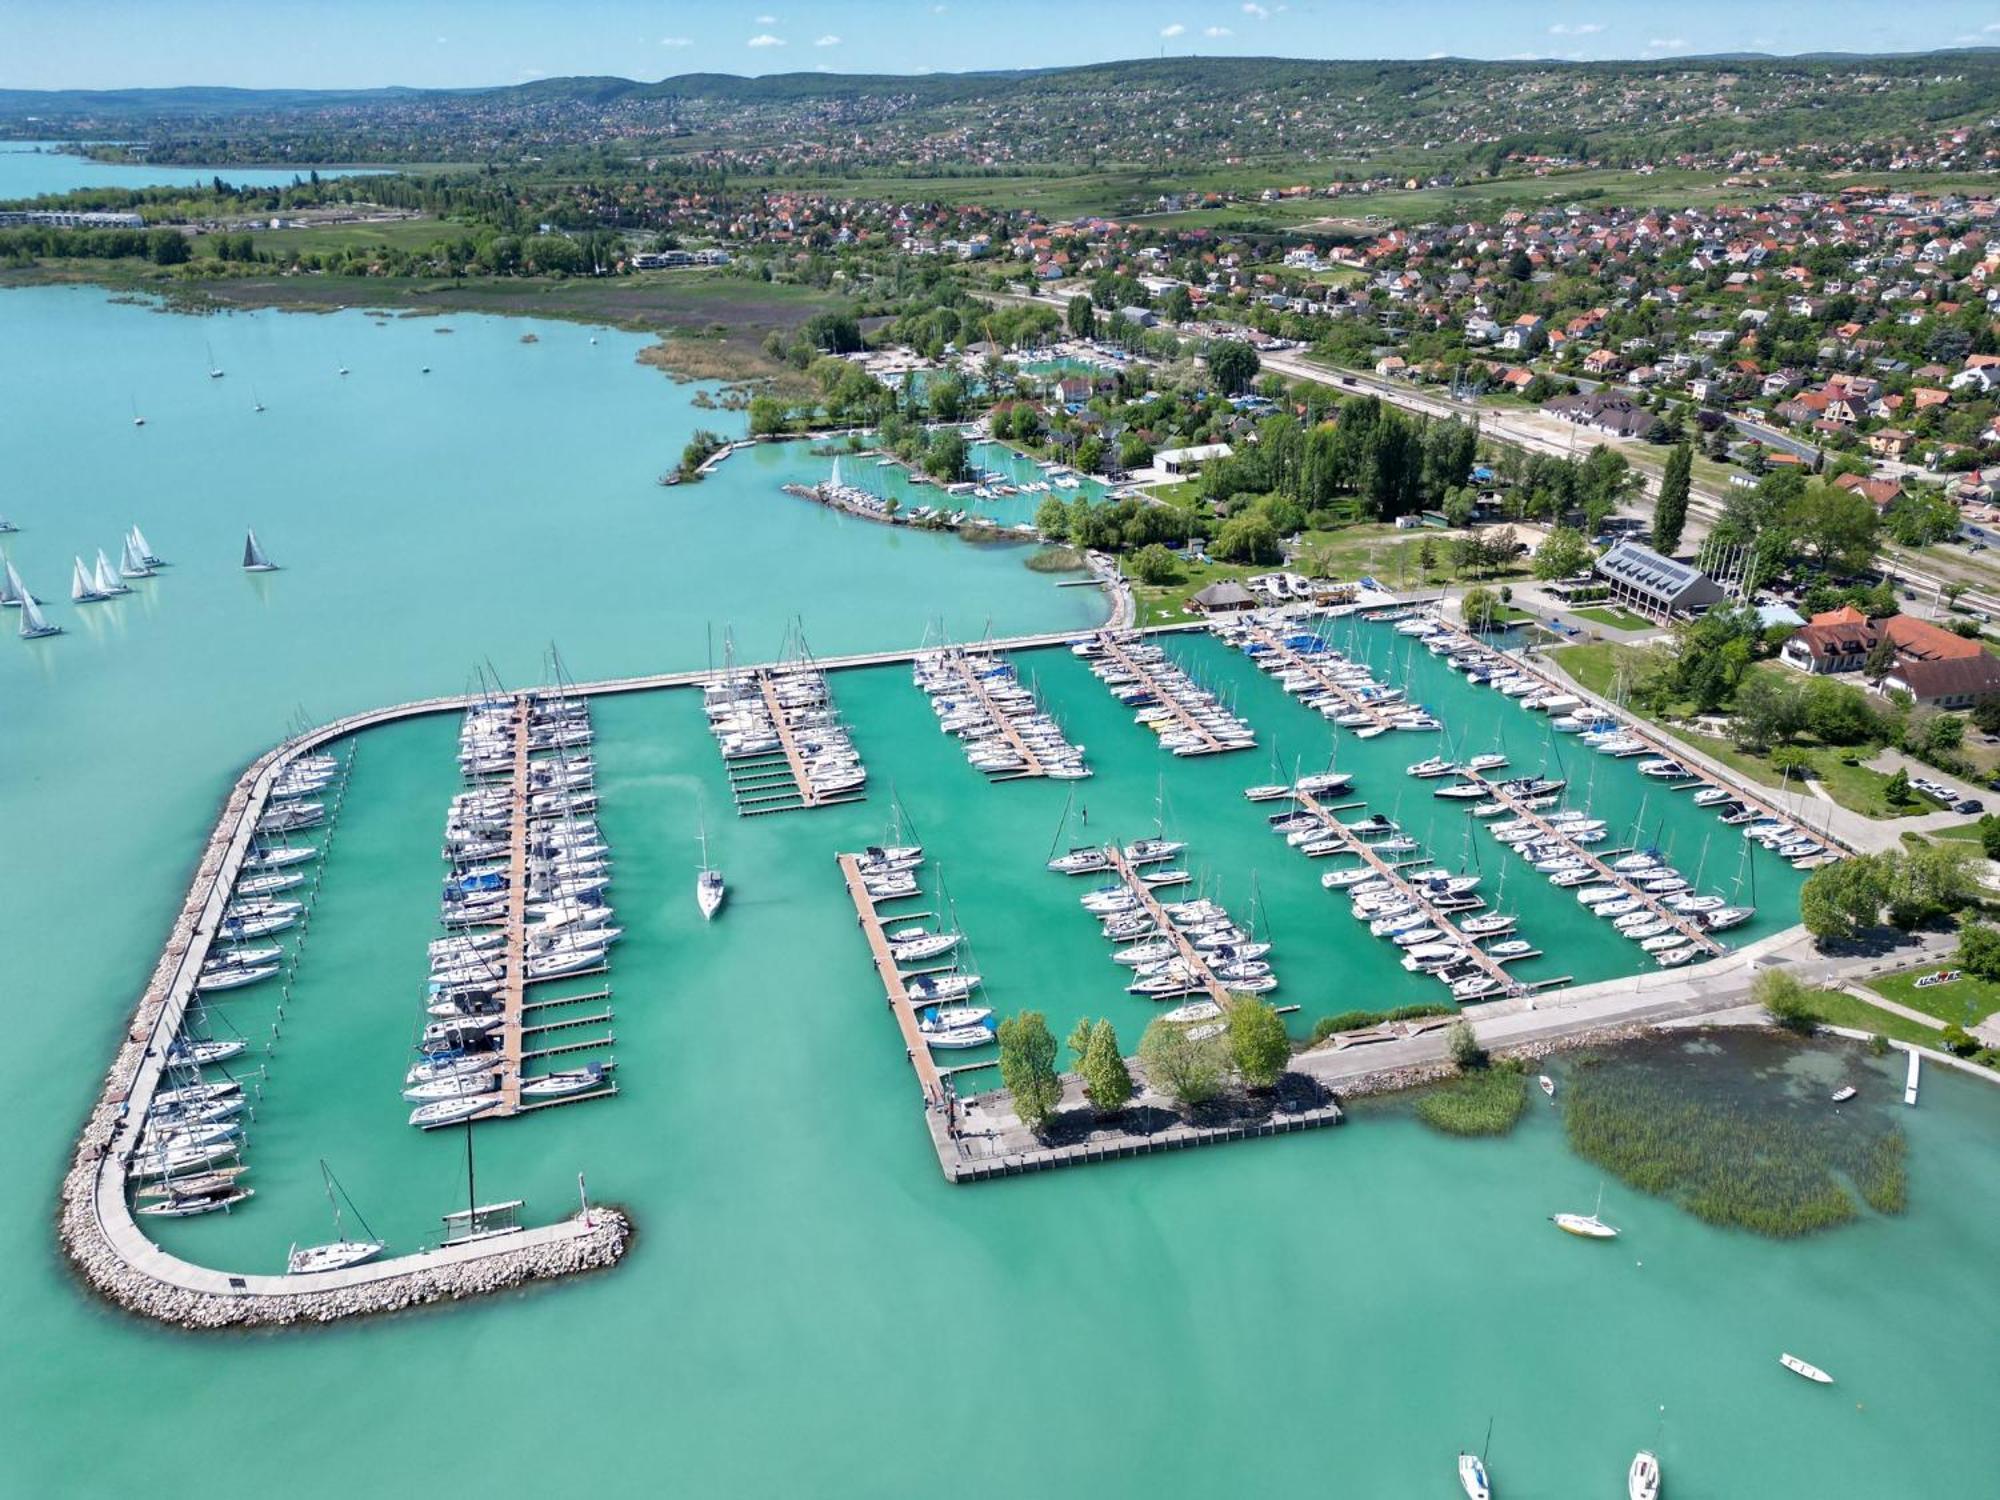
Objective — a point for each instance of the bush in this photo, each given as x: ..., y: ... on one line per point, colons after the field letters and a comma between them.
x: 1959, y: 1042
x: 1785, y: 1000
x: 1463, y: 1048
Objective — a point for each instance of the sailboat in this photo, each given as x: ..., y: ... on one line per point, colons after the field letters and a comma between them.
x: 33, y: 626
x: 6, y: 526
x: 1589, y: 1226
x: 339, y: 1252
x: 254, y: 558
x: 137, y: 420
x: 82, y: 590
x: 107, y: 580
x: 256, y: 401
x: 708, y: 885
x: 131, y: 564
x: 215, y: 371
x: 1642, y: 1480
x: 143, y: 550
x: 12, y: 590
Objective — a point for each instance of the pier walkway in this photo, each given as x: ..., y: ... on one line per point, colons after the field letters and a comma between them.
x: 1205, y: 981
x: 1389, y: 872
x: 1690, y: 929
x: 1031, y: 763
x: 781, y: 721
x: 1115, y: 649
x: 1292, y: 660
x: 514, y: 984
x: 900, y: 1004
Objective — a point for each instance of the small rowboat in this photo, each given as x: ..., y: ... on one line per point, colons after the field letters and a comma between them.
x: 1845, y: 1092
x: 1548, y: 1084
x: 1799, y: 1367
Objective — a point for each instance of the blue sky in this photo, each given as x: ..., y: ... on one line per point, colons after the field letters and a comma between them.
x: 325, y: 43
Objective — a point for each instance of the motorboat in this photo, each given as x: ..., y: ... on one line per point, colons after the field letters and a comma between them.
x: 1642, y: 1480
x: 1810, y: 1371
x: 1845, y: 1092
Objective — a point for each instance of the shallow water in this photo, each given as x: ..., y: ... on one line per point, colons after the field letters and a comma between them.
x: 1343, y: 1309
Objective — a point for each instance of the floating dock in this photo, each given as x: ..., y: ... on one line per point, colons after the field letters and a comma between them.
x: 1031, y: 763
x: 513, y: 988
x: 1196, y: 961
x: 900, y: 1005
x: 1113, y: 648
x: 1292, y: 660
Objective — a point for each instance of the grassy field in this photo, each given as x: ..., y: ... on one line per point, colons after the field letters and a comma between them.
x: 1965, y: 1002
x: 1838, y: 1008
x: 402, y: 234
x: 1617, y: 619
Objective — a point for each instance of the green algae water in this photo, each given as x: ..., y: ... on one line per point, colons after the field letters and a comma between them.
x: 1336, y: 1312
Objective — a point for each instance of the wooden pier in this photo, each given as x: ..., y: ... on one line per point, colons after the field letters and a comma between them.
x: 1190, y: 955
x: 513, y: 986
x: 1115, y: 649
x: 1691, y: 929
x: 914, y: 1045
x: 767, y: 685
x: 1393, y: 874
x: 1031, y: 763
x: 1295, y: 661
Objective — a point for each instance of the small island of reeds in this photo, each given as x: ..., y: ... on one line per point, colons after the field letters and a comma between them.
x: 1481, y: 1101
x: 1725, y: 1127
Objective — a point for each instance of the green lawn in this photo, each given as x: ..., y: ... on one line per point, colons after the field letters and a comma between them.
x: 1966, y: 1001
x: 1617, y: 619
x: 1969, y: 832
x: 1838, y: 1008
x: 401, y: 234
x: 1166, y: 603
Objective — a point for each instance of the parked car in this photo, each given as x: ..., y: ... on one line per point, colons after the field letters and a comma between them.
x: 1969, y: 806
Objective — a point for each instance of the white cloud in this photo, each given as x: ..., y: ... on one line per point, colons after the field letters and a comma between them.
x: 1170, y: 32
x: 1668, y: 44
x: 765, y: 39
x: 1991, y: 26
x: 936, y: 10
x: 767, y: 20
x: 829, y: 40
x: 1251, y: 8
x: 1216, y: 33
x: 676, y: 41
x: 1576, y: 28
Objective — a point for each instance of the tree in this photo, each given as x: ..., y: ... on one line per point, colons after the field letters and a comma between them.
x: 1082, y: 317
x: 1978, y: 949
x: 1462, y: 1047
x: 1232, y: 365
x: 1837, y: 713
x: 1107, y: 1083
x: 1785, y: 999
x: 1248, y: 538
x: 1928, y: 883
x: 947, y: 399
x: 1052, y: 519
x: 767, y: 415
x: 1078, y: 1043
x: 1838, y: 527
x: 1186, y: 1071
x: 1028, y: 1067
x: 1770, y: 709
x: 946, y: 457
x: 1479, y: 607
x: 1897, y: 788
x: 1844, y: 898
x: 1257, y: 1041
x: 1563, y: 555
x: 835, y: 332
x: 1670, y: 514
x: 1154, y: 564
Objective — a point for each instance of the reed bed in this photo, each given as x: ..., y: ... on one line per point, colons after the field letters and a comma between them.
x: 1486, y: 1101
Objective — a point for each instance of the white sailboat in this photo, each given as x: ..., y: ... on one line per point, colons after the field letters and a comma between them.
x: 12, y: 590
x: 708, y: 885
x: 131, y: 564
x: 303, y: 1261
x: 256, y: 401
x: 255, y: 559
x: 143, y: 550
x: 1642, y: 1480
x: 107, y: 579
x: 1800, y: 1367
x: 82, y: 590
x: 1587, y: 1226
x: 215, y: 371
x: 33, y: 626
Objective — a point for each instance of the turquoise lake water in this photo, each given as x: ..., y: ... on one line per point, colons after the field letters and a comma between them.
x: 30, y: 168
x: 1344, y: 1310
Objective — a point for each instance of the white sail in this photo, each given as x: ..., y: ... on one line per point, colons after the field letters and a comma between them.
x: 107, y: 576
x: 144, y: 549
x: 32, y: 623
x: 12, y: 590
x: 131, y: 564
x: 81, y: 589
x: 253, y: 555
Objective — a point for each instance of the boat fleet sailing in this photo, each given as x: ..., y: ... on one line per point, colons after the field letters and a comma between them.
x: 498, y: 939
x: 100, y: 580
x: 979, y: 699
